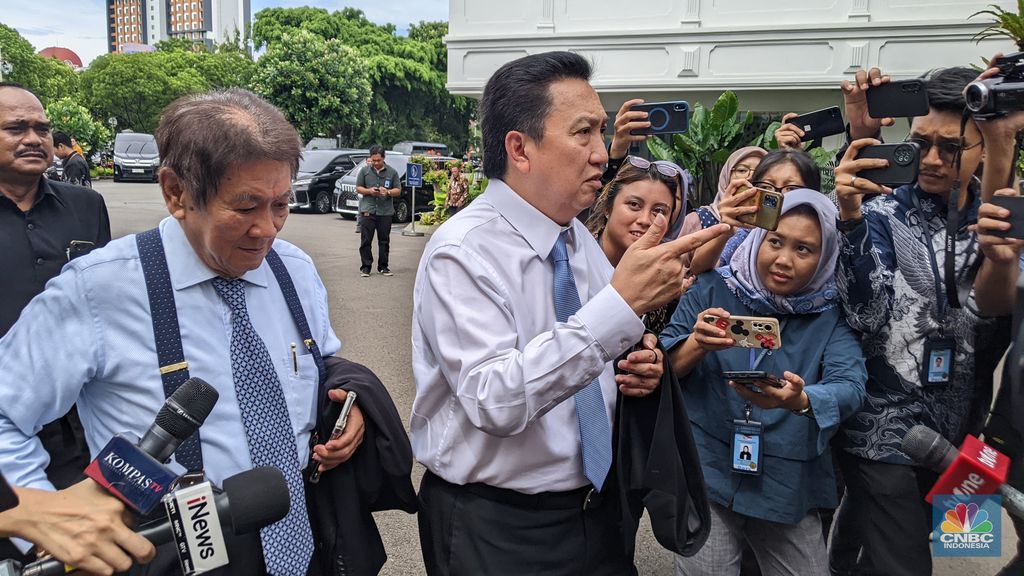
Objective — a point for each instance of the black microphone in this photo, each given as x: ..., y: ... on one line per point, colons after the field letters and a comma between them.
x: 249, y: 501
x: 133, y: 470
x: 976, y: 468
x: 182, y: 414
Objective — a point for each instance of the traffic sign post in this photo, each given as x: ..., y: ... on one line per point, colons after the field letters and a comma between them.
x: 413, y: 179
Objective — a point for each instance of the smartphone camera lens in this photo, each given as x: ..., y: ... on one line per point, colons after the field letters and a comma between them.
x: 658, y: 117
x: 903, y: 155
x: 770, y: 202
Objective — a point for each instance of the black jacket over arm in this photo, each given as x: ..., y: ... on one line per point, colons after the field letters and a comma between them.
x: 377, y: 477
x: 658, y: 468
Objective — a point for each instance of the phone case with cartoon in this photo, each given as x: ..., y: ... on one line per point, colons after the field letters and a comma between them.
x: 750, y: 331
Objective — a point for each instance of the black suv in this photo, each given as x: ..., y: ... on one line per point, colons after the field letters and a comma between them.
x: 346, y: 201
x: 319, y: 169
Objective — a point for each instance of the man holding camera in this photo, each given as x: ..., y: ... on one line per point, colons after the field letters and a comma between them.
x: 377, y: 185
x: 893, y: 285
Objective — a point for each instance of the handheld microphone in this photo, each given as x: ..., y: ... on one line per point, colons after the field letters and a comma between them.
x: 976, y: 469
x: 249, y: 501
x: 134, y: 471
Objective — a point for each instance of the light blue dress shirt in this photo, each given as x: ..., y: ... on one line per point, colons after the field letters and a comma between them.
x: 88, y: 338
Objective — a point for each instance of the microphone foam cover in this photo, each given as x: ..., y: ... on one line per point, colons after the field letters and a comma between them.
x: 257, y: 498
x: 928, y: 448
x: 187, y: 408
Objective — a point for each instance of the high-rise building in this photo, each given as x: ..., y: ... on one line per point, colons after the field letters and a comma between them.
x: 150, y: 21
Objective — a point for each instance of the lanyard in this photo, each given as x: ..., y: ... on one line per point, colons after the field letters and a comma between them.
x: 956, y: 291
x: 756, y: 358
x: 926, y: 238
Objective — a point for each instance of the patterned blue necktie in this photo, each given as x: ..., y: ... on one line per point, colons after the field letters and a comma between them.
x: 595, y: 431
x: 288, y: 544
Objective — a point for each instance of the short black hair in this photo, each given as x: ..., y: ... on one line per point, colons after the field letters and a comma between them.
x: 61, y: 138
x: 517, y: 98
x: 946, y: 88
x: 377, y: 149
x: 805, y: 165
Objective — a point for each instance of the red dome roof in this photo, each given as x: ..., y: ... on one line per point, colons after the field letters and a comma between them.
x: 63, y: 54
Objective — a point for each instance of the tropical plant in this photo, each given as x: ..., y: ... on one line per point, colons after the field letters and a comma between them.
x: 1004, y: 24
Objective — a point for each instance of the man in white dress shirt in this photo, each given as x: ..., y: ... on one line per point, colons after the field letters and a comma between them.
x: 513, y: 485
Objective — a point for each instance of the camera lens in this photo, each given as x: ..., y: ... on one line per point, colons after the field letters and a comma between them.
x: 903, y: 155
x: 658, y: 117
x: 770, y: 202
x: 977, y: 96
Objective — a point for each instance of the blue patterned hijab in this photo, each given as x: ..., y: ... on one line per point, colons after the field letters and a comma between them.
x: 819, y: 294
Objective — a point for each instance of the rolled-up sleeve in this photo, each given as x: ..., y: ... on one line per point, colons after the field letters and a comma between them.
x: 45, y: 359
x: 501, y: 383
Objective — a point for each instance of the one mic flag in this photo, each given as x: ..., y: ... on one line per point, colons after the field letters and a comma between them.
x: 249, y: 501
x: 976, y: 469
x: 134, y: 472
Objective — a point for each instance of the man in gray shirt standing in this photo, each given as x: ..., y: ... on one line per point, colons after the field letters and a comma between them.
x: 377, y: 185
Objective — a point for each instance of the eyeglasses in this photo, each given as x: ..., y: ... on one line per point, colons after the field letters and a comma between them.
x: 947, y: 148
x: 772, y: 188
x: 742, y: 171
x: 670, y: 171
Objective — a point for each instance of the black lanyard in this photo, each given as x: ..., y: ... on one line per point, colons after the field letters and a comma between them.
x: 956, y: 292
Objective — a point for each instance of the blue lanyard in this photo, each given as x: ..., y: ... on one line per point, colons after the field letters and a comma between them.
x: 756, y: 358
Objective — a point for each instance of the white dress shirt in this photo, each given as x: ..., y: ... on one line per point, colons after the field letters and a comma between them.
x: 88, y: 338
x: 495, y: 372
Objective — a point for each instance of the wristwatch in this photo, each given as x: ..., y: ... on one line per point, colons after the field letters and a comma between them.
x: 808, y: 412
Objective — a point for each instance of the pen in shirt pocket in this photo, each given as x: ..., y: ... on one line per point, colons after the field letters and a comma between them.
x: 295, y: 359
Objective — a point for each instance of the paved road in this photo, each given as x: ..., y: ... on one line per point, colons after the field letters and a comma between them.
x: 372, y: 317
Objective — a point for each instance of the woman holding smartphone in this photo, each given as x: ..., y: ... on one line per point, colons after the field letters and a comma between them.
x: 816, y: 379
x: 627, y: 207
x: 780, y: 171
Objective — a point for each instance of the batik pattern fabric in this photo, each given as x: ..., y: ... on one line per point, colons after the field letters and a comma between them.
x: 889, y: 294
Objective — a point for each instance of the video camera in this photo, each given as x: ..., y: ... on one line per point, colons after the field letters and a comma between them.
x: 996, y: 96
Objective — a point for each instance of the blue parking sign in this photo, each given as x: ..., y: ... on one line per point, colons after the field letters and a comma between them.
x: 413, y: 174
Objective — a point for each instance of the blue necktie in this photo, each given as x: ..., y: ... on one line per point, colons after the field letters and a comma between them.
x: 288, y: 544
x: 595, y: 430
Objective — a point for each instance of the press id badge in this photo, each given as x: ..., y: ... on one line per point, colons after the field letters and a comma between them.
x: 746, y: 447
x: 939, y: 354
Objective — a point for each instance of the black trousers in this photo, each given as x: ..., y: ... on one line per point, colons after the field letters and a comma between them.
x: 368, y: 225
x: 476, y: 529
x: 883, y: 523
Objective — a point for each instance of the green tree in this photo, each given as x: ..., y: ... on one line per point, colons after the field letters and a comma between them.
x: 321, y: 85
x: 68, y: 116
x: 135, y: 88
x: 47, y: 77
x: 407, y: 74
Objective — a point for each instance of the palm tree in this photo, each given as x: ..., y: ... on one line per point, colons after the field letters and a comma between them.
x: 1005, y: 24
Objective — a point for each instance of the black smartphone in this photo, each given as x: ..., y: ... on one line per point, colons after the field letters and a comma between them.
x: 8, y: 499
x: 756, y: 378
x: 665, y: 117
x: 820, y: 123
x: 1015, y: 204
x: 78, y: 248
x: 898, y: 99
x: 903, y: 157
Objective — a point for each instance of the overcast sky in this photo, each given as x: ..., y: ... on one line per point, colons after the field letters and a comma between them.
x: 80, y: 25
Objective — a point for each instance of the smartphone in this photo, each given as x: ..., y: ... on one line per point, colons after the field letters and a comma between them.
x: 820, y: 123
x: 903, y: 157
x: 8, y: 499
x: 754, y: 379
x: 750, y: 331
x: 1015, y: 204
x: 339, y: 428
x: 769, y: 208
x: 665, y: 117
x: 898, y: 99
x: 78, y: 248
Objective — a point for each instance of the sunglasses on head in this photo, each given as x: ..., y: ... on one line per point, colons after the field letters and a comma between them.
x: 643, y: 164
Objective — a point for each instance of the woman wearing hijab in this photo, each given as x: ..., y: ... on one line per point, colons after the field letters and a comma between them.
x: 738, y: 168
x: 769, y: 502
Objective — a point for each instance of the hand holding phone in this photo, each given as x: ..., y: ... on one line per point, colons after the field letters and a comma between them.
x: 339, y: 428
x: 1015, y: 204
x: 749, y: 331
x: 819, y: 124
x: 769, y: 209
x: 754, y: 380
x: 904, y: 159
x: 898, y: 99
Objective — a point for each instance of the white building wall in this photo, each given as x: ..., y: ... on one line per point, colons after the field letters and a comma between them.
x: 778, y: 55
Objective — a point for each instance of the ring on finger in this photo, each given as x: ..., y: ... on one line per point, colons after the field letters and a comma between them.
x: 853, y: 181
